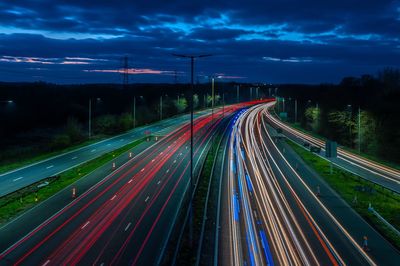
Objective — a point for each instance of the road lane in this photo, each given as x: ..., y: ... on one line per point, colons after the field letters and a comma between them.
x: 370, y: 170
x: 82, y: 226
x: 57, y: 164
x: 267, y: 196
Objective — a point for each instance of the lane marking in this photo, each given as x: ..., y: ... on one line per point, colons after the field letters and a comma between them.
x: 161, y: 152
x: 127, y: 227
x: 180, y: 154
x: 167, y: 171
x: 109, y: 144
x: 122, y: 140
x: 147, y: 199
x: 175, y: 161
x: 93, y: 150
x: 18, y: 178
x: 114, y: 197
x: 51, y: 166
x: 75, y: 157
x: 142, y: 170
x: 152, y: 160
x: 47, y: 262
x: 85, y: 224
x: 159, y: 181
x: 130, y: 181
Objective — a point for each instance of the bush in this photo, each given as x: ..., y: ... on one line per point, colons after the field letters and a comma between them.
x: 60, y: 141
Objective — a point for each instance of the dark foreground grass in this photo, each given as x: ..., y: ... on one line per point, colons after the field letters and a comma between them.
x: 348, y: 186
x: 22, y: 200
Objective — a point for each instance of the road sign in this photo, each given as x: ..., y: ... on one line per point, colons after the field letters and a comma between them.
x: 331, y: 149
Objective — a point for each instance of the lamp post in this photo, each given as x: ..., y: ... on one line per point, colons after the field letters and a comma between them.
x: 134, y: 111
x: 192, y: 58
x: 90, y: 116
x: 359, y: 129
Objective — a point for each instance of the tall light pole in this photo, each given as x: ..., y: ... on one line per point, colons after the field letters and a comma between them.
x: 359, y: 129
x: 90, y: 118
x: 134, y: 111
x: 161, y: 107
x: 191, y: 57
x: 237, y: 93
x: 212, y: 101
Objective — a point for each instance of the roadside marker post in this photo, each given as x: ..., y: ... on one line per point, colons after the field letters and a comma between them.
x: 73, y: 192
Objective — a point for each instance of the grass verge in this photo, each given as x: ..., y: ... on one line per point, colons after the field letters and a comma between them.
x: 22, y: 200
x: 348, y: 185
x: 19, y: 162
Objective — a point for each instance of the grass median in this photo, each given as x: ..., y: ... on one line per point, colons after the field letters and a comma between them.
x: 187, y: 253
x: 349, y: 186
x: 22, y: 200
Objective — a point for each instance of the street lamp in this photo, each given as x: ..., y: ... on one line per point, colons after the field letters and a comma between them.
x: 191, y: 57
x: 90, y: 116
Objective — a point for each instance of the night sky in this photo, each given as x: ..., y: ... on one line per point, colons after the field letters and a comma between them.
x: 278, y: 41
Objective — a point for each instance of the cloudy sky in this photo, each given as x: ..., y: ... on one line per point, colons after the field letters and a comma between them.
x: 279, y: 41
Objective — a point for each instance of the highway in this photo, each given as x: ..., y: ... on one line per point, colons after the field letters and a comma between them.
x: 125, y: 218
x: 272, y: 215
x: 22, y: 177
x: 370, y: 170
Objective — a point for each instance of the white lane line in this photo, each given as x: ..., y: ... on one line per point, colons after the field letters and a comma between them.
x: 114, y: 197
x: 147, y: 199
x: 109, y: 144
x: 18, y: 178
x: 175, y: 161
x: 51, y: 166
x: 167, y: 171
x: 127, y: 227
x: 130, y: 181
x: 93, y: 150
x: 121, y: 139
x: 102, y: 264
x: 152, y: 160
x: 161, y: 153
x: 75, y: 157
x: 180, y: 154
x: 47, y: 262
x: 85, y: 224
x: 159, y: 181
x: 169, y: 146
x: 142, y: 170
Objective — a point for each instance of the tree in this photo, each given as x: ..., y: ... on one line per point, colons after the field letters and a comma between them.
x: 342, y: 124
x: 181, y: 105
x: 368, y: 133
x: 74, y: 130
x: 105, y: 124
x: 125, y: 122
x: 312, y: 115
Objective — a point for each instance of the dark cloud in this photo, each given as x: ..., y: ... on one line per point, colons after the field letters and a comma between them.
x: 278, y: 41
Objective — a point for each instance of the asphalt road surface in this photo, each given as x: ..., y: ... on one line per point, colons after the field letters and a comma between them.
x: 22, y: 177
x: 125, y: 218
x: 273, y: 216
x: 370, y: 170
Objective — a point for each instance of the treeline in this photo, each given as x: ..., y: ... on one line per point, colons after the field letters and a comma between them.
x: 362, y: 113
x: 40, y: 117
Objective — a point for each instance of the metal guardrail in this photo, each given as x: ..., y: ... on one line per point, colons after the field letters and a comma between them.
x: 371, y: 209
